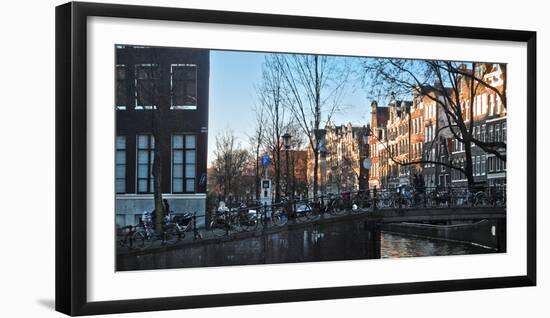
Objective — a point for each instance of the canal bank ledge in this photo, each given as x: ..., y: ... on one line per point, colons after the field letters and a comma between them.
x: 488, y: 234
x: 190, y: 240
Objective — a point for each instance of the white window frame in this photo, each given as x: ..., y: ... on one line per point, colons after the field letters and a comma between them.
x: 184, y: 163
x: 150, y: 155
x: 124, y: 150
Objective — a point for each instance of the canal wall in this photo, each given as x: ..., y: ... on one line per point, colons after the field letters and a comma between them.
x: 487, y: 233
x: 325, y: 241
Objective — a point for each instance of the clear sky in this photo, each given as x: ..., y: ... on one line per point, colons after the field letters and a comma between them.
x: 233, y: 78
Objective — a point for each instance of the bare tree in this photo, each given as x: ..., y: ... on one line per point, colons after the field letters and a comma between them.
x: 453, y: 87
x: 151, y: 98
x: 271, y: 96
x: 230, y: 166
x: 315, y: 86
x: 257, y: 139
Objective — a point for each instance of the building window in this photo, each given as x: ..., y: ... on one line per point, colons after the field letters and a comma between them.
x: 145, y: 158
x: 120, y: 164
x: 183, y: 81
x: 504, y: 132
x: 497, y: 132
x: 147, y: 90
x: 121, y: 99
x: 483, y: 128
x: 490, y: 137
x: 483, y: 165
x: 184, y: 164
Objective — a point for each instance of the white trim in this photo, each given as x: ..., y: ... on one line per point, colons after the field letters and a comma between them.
x: 461, y: 180
x: 495, y: 119
x: 186, y: 107
x: 493, y: 175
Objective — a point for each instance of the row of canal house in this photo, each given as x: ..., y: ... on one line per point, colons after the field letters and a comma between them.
x: 412, y: 137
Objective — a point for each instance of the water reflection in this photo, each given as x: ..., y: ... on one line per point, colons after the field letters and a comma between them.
x: 398, y: 245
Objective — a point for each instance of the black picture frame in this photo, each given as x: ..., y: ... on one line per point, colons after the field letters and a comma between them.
x: 71, y: 157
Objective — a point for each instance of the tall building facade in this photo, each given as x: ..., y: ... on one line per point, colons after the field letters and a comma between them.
x: 415, y: 138
x: 161, y: 104
x: 378, y: 154
x: 398, y: 142
x: 346, y: 148
x: 488, y: 114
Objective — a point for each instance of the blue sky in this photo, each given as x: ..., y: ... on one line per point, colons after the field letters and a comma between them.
x: 233, y: 78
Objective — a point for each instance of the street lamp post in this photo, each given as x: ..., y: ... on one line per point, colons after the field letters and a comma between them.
x: 286, y: 140
x: 366, y: 161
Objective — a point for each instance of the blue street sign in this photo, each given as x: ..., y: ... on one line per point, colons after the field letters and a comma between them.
x: 265, y: 160
x: 202, y: 180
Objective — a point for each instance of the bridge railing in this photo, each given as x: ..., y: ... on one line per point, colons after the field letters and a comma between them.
x: 433, y: 197
x: 404, y: 197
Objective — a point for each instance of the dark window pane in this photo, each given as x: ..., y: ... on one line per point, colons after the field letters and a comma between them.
x: 121, y: 93
x: 146, y: 88
x: 184, y: 85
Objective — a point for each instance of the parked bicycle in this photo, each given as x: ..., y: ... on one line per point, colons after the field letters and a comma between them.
x: 231, y: 220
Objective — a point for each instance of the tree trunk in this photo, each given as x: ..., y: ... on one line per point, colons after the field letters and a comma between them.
x: 315, y: 171
x: 157, y: 187
x: 469, y: 163
x: 277, y: 166
x: 257, y: 175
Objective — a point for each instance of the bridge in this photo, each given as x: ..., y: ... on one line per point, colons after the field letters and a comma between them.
x: 437, y: 214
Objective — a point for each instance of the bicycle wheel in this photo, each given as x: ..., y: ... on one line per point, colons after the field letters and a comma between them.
x: 279, y: 217
x: 481, y: 199
x: 384, y: 201
x: 235, y: 225
x: 360, y: 204
x: 217, y: 228
x: 338, y: 206
x: 249, y: 223
x: 171, y: 235
x: 139, y: 240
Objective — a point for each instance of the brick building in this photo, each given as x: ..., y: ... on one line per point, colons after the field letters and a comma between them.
x: 420, y: 131
x: 489, y: 117
x: 172, y: 84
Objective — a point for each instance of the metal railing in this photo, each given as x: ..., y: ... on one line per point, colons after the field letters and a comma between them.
x: 252, y: 217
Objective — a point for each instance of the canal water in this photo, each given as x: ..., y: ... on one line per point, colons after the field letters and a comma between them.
x: 401, y: 245
x: 326, y: 242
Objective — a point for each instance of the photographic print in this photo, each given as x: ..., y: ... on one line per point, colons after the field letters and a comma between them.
x: 244, y: 158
